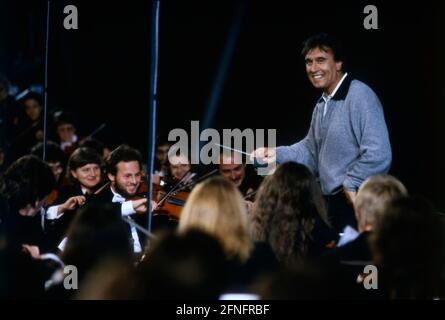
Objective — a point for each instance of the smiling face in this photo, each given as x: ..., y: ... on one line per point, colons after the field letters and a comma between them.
x: 88, y: 175
x: 323, y: 71
x: 127, y: 179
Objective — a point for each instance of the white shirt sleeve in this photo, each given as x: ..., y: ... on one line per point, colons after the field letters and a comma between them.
x: 127, y: 208
x: 62, y: 244
x: 51, y: 213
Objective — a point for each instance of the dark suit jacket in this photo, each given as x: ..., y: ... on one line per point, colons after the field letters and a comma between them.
x: 106, y: 196
x: 55, y: 230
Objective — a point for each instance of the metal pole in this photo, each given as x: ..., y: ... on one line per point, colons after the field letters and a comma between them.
x: 45, y: 90
x: 153, y: 104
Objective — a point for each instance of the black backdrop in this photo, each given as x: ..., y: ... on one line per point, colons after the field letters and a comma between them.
x: 102, y: 70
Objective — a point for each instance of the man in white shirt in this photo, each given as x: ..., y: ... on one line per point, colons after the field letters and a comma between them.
x: 125, y: 173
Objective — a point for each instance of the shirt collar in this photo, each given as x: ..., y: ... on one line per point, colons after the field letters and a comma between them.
x: 336, y: 88
x: 340, y: 90
x: 117, y: 197
x: 65, y: 144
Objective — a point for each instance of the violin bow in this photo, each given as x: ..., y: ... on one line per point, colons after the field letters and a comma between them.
x: 198, y: 180
x: 250, y: 194
x: 137, y: 226
x: 101, y: 188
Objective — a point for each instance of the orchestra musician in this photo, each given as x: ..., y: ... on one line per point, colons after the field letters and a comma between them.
x: 241, y: 175
x: 124, y: 171
x: 55, y: 158
x: 178, y: 167
x: 84, y: 176
x: 66, y: 131
x: 173, y: 191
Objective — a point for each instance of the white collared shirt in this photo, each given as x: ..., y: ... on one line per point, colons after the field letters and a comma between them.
x: 127, y: 206
x: 126, y: 210
x: 326, y: 98
x: 67, y: 144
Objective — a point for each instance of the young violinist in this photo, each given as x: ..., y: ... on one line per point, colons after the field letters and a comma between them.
x: 84, y: 176
x: 179, y: 166
x: 178, y: 174
x: 124, y: 171
x: 66, y: 131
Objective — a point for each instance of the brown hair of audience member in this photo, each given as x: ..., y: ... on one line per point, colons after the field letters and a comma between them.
x: 284, y: 215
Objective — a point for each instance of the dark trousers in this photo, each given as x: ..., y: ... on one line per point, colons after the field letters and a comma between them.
x: 340, y: 212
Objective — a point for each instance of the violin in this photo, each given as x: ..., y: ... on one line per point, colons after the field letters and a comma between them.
x: 55, y: 192
x: 178, y: 193
x: 169, y: 203
x: 172, y: 205
x: 51, y: 197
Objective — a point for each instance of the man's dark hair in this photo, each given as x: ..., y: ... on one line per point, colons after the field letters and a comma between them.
x: 27, y: 180
x: 94, y: 144
x: 64, y: 117
x: 53, y: 152
x: 83, y: 156
x: 324, y: 41
x: 123, y: 153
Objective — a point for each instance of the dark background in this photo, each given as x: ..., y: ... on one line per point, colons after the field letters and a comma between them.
x: 101, y: 71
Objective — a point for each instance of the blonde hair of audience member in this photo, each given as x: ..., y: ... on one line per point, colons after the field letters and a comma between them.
x: 216, y: 206
x: 372, y: 198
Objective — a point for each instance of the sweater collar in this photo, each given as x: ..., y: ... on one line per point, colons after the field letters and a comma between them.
x: 342, y: 91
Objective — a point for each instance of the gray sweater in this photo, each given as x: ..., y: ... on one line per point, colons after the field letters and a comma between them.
x: 346, y: 145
